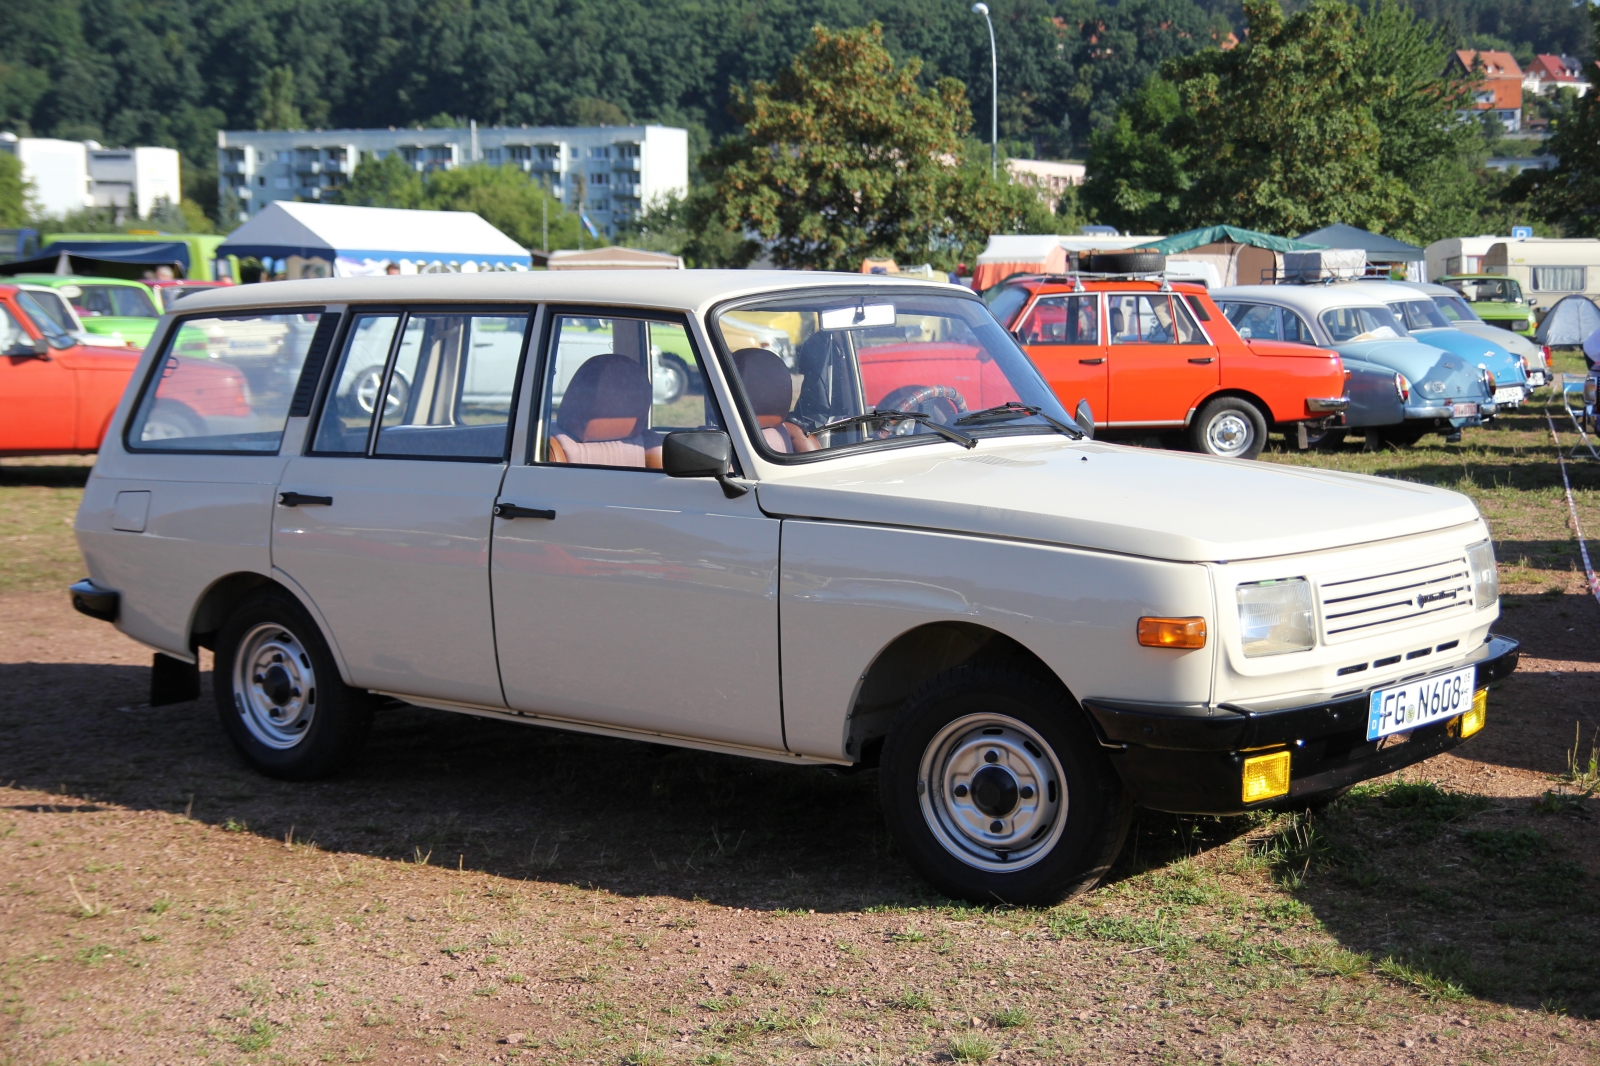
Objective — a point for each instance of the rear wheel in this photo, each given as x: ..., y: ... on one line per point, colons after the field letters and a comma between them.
x: 996, y: 789
x: 279, y: 693
x: 1230, y: 428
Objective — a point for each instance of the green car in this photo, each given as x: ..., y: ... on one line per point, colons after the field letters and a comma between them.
x: 121, y: 312
x: 1497, y: 299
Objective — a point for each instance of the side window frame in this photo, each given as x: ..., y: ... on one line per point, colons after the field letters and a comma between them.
x: 333, y: 365
x: 154, y: 373
x: 540, y: 417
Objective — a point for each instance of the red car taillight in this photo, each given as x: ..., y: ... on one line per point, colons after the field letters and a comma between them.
x: 1402, y: 386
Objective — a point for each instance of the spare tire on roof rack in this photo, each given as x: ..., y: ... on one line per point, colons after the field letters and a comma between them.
x: 1126, y: 261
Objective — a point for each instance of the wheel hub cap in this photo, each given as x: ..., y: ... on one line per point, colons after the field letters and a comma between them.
x: 1229, y: 434
x: 274, y: 686
x: 991, y: 792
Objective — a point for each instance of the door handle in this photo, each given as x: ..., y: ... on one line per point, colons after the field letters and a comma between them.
x: 1207, y: 359
x: 1092, y: 362
x: 296, y: 499
x: 511, y: 510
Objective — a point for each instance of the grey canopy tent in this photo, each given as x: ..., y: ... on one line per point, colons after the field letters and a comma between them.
x: 1379, y: 249
x: 1569, y: 323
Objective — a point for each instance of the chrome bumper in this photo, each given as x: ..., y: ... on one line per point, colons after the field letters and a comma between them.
x: 1327, y: 404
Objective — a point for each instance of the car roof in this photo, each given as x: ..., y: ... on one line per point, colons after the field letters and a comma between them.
x: 1315, y: 299
x: 1430, y: 288
x: 672, y: 290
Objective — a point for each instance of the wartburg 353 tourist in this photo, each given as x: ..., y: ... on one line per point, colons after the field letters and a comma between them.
x: 884, y: 543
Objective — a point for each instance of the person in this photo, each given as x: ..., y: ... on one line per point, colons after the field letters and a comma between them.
x: 392, y: 268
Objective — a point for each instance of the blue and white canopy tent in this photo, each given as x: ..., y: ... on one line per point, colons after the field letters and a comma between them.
x: 331, y: 240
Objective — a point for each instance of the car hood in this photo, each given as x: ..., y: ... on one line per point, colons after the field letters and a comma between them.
x: 1114, y: 498
x: 1476, y: 350
x: 1515, y: 343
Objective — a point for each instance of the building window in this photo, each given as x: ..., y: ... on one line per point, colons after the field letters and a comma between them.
x: 280, y: 183
x: 628, y: 151
x: 285, y: 157
x: 600, y: 153
x: 549, y: 151
x: 599, y: 179
x: 491, y: 155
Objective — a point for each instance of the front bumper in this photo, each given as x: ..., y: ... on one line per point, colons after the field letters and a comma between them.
x: 1187, y: 758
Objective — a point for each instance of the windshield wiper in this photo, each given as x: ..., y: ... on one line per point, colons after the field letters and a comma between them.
x: 1012, y: 410
x: 955, y: 435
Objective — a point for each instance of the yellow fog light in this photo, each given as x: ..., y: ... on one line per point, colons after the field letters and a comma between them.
x: 1472, y: 720
x: 1266, y: 776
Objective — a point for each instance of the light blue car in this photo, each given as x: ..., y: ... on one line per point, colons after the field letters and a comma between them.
x: 1424, y: 321
x: 1400, y: 387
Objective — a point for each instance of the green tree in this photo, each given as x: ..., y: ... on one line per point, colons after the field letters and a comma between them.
x: 275, y: 101
x: 1568, y: 195
x: 14, y: 193
x: 386, y: 182
x: 845, y: 157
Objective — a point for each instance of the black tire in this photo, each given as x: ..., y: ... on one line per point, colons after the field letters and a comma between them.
x: 1063, y: 845
x: 1229, y: 428
x: 1127, y: 262
x: 323, y: 721
x: 675, y: 377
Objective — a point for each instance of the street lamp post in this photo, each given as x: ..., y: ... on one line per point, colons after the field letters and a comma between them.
x: 994, y: 95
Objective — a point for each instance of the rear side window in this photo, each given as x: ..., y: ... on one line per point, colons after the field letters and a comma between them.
x: 1295, y: 329
x: 224, y: 384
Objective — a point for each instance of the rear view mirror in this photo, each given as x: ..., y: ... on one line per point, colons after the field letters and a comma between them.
x: 1084, y: 416
x: 701, y: 453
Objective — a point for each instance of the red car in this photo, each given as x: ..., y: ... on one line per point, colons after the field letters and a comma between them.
x: 57, y: 396
x: 1151, y: 356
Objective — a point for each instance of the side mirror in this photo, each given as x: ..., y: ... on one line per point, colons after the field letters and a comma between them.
x: 1085, y: 418
x: 40, y: 347
x: 701, y: 453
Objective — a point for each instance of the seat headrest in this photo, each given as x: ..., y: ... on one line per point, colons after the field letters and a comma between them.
x: 766, y: 381
x: 607, y: 399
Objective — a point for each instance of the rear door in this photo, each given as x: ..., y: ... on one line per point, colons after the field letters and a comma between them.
x: 1161, y: 364
x: 1064, y: 336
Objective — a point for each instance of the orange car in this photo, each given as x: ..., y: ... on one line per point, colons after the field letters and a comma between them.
x: 1152, y: 356
x: 57, y: 396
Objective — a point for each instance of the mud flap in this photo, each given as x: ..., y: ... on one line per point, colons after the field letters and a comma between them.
x: 173, y: 681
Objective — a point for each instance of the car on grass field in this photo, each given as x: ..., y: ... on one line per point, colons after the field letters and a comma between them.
x: 1149, y: 356
x: 117, y: 311
x: 1424, y: 321
x: 1433, y: 389
x: 57, y: 395
x: 901, y: 552
x: 1535, y: 357
x: 1496, y: 299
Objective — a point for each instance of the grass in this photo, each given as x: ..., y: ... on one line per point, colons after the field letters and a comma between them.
x: 38, y: 500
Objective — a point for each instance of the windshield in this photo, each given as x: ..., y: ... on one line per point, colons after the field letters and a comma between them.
x: 1456, y: 309
x: 1361, y: 324
x: 114, y: 301
x: 51, y: 304
x: 57, y: 336
x: 1488, y: 290
x: 1005, y: 305
x: 1419, y: 314
x: 938, y: 357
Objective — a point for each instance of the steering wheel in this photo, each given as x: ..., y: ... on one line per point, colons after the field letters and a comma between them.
x: 939, y: 402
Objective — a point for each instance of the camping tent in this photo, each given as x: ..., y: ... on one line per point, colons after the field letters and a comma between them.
x: 1379, y: 249
x: 1240, y: 256
x: 1569, y: 323
x: 318, y: 240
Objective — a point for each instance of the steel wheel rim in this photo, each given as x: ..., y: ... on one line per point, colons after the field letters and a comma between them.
x: 1230, y: 434
x: 962, y: 790
x: 366, y: 391
x: 274, y: 686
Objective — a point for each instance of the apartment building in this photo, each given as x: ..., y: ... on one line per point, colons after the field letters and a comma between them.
x: 613, y: 171
x: 69, y: 176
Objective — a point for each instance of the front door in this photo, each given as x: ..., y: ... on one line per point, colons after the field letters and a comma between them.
x: 38, y: 395
x: 385, y: 522
x: 1062, y: 335
x: 624, y: 597
x: 1161, y: 364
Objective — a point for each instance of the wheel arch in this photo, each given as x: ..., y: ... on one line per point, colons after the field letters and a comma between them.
x: 914, y: 658
x: 1236, y: 394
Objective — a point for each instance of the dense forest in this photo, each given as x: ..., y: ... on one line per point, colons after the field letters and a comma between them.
x: 172, y: 72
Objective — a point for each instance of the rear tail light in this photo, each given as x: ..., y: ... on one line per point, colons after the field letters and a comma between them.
x: 1546, y: 349
x: 1488, y: 380
x: 1402, y: 386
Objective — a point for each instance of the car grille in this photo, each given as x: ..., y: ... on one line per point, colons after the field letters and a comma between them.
x: 1363, y: 606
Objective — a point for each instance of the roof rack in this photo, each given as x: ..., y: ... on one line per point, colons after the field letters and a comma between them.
x: 1326, y: 275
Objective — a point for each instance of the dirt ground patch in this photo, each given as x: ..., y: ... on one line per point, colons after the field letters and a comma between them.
x: 476, y: 891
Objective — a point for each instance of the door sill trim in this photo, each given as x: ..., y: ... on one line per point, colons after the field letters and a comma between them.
x: 550, y: 721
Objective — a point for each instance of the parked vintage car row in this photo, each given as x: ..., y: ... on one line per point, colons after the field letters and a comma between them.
x: 893, y: 549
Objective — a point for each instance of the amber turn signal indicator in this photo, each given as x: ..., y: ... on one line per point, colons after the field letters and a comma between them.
x: 1172, y: 632
x: 1472, y: 720
x: 1266, y: 776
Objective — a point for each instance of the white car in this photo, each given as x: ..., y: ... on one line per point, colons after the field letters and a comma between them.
x: 900, y: 552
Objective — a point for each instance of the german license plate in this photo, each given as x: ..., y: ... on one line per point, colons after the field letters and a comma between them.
x: 1509, y: 394
x: 1416, y: 703
x: 1463, y: 410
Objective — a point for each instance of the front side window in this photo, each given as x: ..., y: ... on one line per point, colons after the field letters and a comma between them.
x: 1253, y: 321
x: 1062, y: 320
x: 114, y: 301
x: 880, y: 366
x: 446, y: 380
x: 224, y: 384
x: 1361, y: 324
x: 1558, y: 279
x: 616, y: 386
x: 1295, y: 329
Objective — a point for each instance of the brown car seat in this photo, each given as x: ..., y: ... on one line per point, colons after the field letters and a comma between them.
x: 604, y: 416
x: 771, y: 390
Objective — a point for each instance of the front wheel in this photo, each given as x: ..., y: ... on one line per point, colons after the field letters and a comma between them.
x: 279, y: 693
x: 1229, y: 428
x: 996, y: 789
